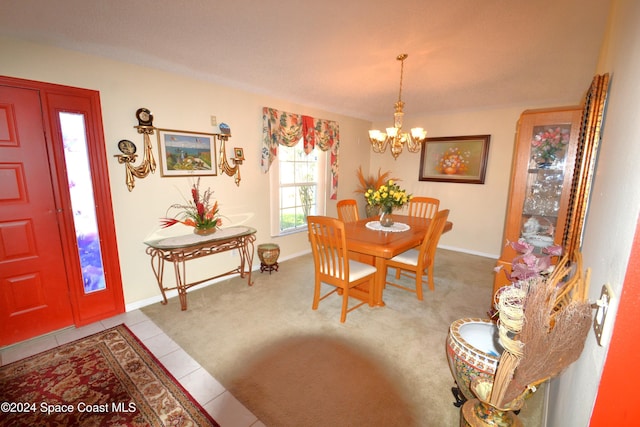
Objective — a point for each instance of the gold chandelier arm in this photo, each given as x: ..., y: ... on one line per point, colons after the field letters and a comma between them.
x: 379, y: 141
x: 414, y: 145
x: 379, y: 146
x: 415, y: 139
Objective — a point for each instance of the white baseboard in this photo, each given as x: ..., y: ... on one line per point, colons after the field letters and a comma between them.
x: 467, y: 251
x: 174, y: 293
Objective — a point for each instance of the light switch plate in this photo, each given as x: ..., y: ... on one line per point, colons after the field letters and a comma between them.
x: 602, y: 309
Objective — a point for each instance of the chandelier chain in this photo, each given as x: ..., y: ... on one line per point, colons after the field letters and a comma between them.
x: 401, y: 74
x: 401, y: 58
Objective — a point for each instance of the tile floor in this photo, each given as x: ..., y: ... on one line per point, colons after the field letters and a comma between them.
x: 213, y: 397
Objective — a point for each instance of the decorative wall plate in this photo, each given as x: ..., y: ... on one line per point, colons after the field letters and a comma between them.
x: 127, y: 147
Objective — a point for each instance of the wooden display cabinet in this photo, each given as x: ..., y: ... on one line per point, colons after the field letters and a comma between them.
x: 541, y: 180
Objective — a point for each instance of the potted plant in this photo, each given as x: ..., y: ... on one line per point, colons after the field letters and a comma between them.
x: 200, y: 212
x: 371, y: 182
x: 387, y: 197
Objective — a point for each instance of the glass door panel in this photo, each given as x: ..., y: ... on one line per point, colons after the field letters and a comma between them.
x: 544, y: 188
x: 82, y: 200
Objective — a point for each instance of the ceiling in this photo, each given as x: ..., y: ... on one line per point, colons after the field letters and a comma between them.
x: 340, y: 55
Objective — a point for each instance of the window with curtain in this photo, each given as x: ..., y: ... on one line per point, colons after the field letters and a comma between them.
x: 296, y: 153
x: 297, y: 188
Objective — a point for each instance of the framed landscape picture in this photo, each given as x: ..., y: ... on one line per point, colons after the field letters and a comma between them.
x: 184, y: 153
x: 455, y: 159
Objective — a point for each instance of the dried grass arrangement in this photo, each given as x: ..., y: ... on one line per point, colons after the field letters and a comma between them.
x: 371, y: 181
x: 546, y: 336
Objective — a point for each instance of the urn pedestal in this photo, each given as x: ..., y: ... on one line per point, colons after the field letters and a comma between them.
x: 268, y: 254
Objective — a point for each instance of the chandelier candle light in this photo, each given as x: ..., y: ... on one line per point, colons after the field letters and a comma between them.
x: 394, y: 136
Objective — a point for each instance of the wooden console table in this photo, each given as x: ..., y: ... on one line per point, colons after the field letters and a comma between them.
x: 178, y: 250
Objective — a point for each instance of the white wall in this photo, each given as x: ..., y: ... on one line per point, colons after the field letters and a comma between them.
x: 614, y: 208
x: 183, y: 104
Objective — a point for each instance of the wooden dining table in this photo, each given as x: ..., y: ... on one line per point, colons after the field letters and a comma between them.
x: 374, y: 247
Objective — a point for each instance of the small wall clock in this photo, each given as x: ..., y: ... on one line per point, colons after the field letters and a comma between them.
x: 145, y: 117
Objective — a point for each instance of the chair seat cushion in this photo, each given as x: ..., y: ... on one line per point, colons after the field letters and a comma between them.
x: 358, y: 270
x: 409, y: 257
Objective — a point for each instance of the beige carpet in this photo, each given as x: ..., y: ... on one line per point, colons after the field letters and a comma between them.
x: 292, y: 366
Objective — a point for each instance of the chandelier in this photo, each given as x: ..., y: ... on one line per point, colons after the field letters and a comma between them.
x: 394, y: 136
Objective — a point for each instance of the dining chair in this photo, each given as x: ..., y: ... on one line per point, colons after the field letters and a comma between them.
x: 417, y: 262
x: 332, y: 264
x: 348, y: 210
x: 423, y: 207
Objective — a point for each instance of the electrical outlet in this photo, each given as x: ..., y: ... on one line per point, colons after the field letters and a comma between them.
x: 214, y: 121
x: 602, y: 308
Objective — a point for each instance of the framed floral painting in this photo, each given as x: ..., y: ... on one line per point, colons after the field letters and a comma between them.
x: 455, y: 159
x: 184, y: 153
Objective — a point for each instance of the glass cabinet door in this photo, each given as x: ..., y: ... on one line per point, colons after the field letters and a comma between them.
x: 541, y: 177
x: 549, y: 147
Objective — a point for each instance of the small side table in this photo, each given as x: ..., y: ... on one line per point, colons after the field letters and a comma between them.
x: 177, y: 250
x: 268, y: 254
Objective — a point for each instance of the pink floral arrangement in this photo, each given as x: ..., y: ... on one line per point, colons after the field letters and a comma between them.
x: 548, y: 143
x: 527, y: 264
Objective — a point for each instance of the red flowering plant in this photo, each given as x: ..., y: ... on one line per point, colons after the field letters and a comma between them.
x: 199, y: 212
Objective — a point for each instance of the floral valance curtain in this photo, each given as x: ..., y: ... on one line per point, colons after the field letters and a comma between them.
x: 282, y: 128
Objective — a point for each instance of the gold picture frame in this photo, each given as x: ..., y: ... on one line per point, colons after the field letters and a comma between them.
x: 185, y: 153
x: 461, y: 159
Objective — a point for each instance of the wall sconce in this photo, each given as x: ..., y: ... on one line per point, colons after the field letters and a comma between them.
x: 238, y: 154
x: 128, y: 149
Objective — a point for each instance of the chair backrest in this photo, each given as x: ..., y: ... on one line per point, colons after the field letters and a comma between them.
x: 329, y: 247
x: 431, y: 239
x: 423, y: 207
x: 348, y: 210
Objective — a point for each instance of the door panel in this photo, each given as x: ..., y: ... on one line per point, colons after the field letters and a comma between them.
x: 89, y: 305
x: 41, y: 276
x: 34, y: 294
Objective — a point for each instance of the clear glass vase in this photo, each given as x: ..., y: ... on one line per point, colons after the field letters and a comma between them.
x: 386, y: 219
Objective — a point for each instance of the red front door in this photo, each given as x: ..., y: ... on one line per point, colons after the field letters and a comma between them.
x: 50, y: 276
x: 34, y: 292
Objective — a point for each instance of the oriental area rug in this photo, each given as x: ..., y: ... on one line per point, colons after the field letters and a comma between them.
x: 106, y: 379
